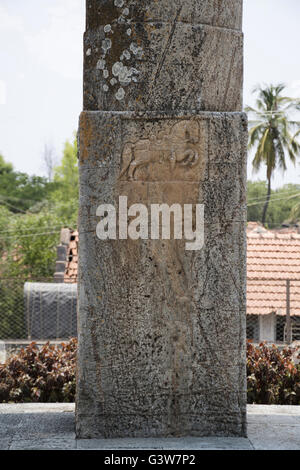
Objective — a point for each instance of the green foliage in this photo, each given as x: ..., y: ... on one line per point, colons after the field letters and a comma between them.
x: 66, y: 174
x: 5, y: 167
x: 30, y: 242
x: 65, y: 196
x: 256, y: 192
x: 281, y: 206
x: 19, y: 191
x: 40, y: 375
x: 272, y: 376
x: 295, y: 213
x: 4, y: 222
x: 12, y: 319
x: 33, y: 215
x: 272, y: 133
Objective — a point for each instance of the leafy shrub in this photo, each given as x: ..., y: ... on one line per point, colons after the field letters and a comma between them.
x: 47, y: 374
x: 272, y: 376
x: 44, y: 374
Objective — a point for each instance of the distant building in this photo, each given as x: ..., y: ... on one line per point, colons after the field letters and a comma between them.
x: 273, y: 258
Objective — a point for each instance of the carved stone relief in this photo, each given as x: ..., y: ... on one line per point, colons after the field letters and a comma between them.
x: 175, y: 154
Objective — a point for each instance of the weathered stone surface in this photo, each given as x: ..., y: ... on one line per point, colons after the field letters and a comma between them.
x: 163, y: 67
x: 223, y: 13
x: 161, y: 329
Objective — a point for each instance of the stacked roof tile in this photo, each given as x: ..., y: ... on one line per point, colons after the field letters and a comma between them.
x: 71, y: 270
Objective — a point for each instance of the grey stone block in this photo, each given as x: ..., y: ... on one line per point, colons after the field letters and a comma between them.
x: 60, y: 267
x: 65, y: 235
x: 224, y: 13
x: 61, y: 253
x: 173, y: 69
x: 5, y: 443
x: 162, y: 330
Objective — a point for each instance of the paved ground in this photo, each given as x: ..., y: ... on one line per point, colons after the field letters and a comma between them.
x: 51, y: 426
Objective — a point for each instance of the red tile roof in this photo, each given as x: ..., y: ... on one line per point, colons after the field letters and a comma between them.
x: 273, y: 256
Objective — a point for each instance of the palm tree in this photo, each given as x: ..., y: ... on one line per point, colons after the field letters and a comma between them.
x: 273, y: 132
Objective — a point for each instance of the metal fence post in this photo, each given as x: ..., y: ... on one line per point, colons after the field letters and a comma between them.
x: 288, y: 314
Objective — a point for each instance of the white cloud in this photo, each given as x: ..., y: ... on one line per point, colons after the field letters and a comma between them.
x: 294, y: 89
x: 2, y: 92
x: 58, y: 46
x: 9, y: 22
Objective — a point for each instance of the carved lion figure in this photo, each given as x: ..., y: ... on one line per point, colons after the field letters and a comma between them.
x: 177, y: 147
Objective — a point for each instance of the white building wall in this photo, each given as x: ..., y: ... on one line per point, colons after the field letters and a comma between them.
x: 267, y: 327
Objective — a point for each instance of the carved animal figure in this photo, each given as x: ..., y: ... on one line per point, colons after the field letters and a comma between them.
x: 179, y: 146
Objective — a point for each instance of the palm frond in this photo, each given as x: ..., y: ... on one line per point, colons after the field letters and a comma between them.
x: 254, y: 134
x: 271, y: 130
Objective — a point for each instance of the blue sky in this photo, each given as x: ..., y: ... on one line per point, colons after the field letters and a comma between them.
x: 41, y: 71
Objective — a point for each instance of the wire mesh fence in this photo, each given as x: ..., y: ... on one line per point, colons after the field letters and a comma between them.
x: 37, y: 309
x: 274, y: 304
x: 252, y: 329
x: 280, y: 329
x: 40, y: 309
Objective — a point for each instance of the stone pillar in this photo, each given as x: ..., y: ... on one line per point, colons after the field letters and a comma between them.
x: 162, y: 329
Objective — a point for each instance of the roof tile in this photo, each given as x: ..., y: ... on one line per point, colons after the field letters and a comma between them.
x: 272, y: 258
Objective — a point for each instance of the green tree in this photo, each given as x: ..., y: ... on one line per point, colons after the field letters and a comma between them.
x: 28, y: 238
x: 5, y: 167
x: 256, y: 192
x: 281, y: 205
x: 272, y: 133
x: 66, y: 181
x: 19, y: 191
x: 30, y: 244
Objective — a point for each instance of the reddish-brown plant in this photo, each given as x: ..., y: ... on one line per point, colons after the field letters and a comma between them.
x: 47, y: 374
x: 272, y: 376
x: 44, y: 374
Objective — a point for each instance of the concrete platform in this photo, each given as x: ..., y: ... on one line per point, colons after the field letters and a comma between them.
x: 51, y: 426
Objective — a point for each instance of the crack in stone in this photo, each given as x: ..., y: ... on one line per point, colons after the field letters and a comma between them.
x: 163, y: 57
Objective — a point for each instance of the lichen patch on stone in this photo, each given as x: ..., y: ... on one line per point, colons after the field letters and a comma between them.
x: 120, y: 94
x: 100, y: 64
x: 119, y: 3
x: 132, y: 52
x: 106, y: 44
x: 107, y: 28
